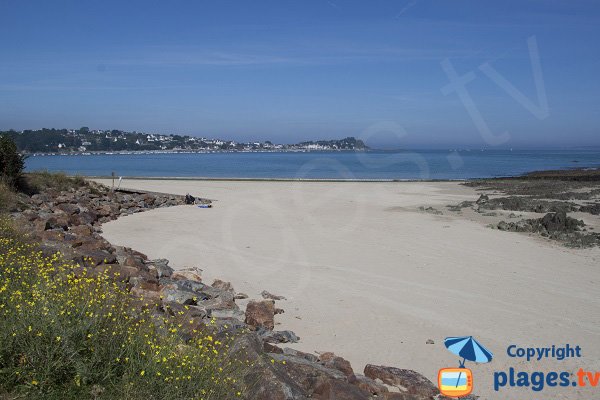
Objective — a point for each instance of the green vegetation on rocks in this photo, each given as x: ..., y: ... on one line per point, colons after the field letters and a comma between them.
x: 67, y: 332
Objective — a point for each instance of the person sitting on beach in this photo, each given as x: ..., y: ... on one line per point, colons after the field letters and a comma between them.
x: 189, y: 199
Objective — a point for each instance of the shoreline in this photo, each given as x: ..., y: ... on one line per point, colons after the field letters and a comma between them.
x: 224, y: 179
x: 576, y: 173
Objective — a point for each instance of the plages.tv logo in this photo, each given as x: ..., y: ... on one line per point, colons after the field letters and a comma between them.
x: 458, y: 382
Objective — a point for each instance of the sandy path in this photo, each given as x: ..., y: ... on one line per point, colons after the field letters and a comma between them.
x: 368, y: 276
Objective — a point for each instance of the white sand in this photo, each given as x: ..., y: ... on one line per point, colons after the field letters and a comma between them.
x: 370, y: 277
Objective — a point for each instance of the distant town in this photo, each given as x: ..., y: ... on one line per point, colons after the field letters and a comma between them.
x: 85, y: 140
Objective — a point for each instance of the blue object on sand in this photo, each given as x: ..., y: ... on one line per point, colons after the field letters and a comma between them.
x: 204, y: 206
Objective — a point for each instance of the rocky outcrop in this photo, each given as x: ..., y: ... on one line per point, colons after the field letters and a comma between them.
x: 559, y: 221
x: 555, y: 224
x: 550, y: 223
x: 558, y: 226
x: 520, y: 203
x: 515, y: 203
x: 593, y: 209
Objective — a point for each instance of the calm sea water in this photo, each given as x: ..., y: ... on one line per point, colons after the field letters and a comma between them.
x: 326, y: 165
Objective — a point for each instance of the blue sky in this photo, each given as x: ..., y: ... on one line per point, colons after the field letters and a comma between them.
x: 293, y: 70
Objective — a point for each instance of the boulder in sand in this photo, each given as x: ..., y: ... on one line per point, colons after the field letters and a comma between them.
x: 409, y: 382
x: 261, y: 314
x: 559, y: 221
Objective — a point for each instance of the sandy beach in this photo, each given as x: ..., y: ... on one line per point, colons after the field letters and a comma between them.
x: 372, y: 278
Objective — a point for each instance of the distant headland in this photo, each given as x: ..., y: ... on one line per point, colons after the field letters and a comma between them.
x: 85, y: 140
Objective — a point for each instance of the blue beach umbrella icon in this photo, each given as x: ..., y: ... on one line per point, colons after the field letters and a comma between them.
x: 469, y: 349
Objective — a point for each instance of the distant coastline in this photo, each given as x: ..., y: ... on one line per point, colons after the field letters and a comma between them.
x: 182, y: 151
x: 84, y: 140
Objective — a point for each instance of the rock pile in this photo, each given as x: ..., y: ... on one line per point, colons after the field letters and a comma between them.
x: 519, y: 203
x: 555, y: 224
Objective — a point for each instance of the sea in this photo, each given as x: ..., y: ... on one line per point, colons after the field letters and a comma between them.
x: 369, y: 165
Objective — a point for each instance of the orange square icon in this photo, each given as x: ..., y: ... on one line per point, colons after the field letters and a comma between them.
x: 455, y: 382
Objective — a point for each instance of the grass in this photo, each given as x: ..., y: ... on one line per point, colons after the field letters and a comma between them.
x: 67, y: 332
x: 8, y: 197
x: 38, y: 181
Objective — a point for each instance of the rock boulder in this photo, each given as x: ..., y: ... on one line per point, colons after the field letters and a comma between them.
x: 261, y: 314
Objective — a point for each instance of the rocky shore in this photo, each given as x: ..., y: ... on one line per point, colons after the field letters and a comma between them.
x: 552, y: 194
x: 69, y: 221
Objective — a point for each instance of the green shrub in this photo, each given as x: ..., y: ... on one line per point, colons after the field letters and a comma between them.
x: 11, y: 161
x: 70, y: 334
x: 38, y: 181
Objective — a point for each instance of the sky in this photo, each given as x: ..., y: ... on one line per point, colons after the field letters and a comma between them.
x: 414, y: 73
